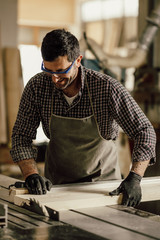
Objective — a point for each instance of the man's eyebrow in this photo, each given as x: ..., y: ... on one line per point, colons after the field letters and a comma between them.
x: 48, y: 69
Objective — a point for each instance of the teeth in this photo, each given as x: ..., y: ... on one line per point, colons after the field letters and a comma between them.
x: 38, y: 208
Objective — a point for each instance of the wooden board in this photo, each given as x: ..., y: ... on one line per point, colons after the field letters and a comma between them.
x: 13, y: 84
x: 3, y: 127
x: 73, y: 196
x: 74, y: 204
x: 5, y: 181
x: 82, y: 195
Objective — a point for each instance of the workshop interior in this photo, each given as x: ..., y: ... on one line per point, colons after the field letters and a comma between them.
x: 120, y: 38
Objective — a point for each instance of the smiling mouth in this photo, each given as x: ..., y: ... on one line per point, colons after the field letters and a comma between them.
x: 59, y: 80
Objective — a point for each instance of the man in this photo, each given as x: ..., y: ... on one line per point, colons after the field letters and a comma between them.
x: 80, y: 110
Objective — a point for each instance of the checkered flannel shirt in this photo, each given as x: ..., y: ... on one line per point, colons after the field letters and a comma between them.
x: 112, y: 105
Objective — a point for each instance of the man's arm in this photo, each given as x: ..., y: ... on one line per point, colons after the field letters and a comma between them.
x: 28, y: 167
x: 140, y: 167
x: 24, y: 131
x: 35, y: 183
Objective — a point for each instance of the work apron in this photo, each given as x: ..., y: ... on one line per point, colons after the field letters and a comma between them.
x: 78, y: 153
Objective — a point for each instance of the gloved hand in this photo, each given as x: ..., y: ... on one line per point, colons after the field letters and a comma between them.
x: 130, y: 187
x: 37, y: 184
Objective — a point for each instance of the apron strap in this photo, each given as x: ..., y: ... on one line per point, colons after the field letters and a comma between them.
x: 92, y: 106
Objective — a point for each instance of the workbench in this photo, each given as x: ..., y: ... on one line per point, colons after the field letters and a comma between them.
x: 101, y: 222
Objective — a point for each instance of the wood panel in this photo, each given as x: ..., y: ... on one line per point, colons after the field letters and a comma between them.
x: 14, y: 85
x: 114, y: 222
x: 3, y: 127
x: 81, y: 195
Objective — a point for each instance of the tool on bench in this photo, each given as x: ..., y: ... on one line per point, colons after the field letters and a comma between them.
x: 18, y: 185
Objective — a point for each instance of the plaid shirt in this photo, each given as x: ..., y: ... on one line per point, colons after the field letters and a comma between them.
x: 112, y: 105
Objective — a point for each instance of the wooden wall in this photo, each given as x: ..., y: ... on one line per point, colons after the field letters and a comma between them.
x: 46, y: 13
x: 8, y: 38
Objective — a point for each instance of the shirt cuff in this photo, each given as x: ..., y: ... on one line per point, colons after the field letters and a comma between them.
x: 22, y: 153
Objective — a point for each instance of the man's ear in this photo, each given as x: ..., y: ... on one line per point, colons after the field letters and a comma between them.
x: 78, y: 61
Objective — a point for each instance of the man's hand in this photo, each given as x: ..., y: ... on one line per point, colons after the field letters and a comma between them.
x: 131, y: 190
x: 37, y: 184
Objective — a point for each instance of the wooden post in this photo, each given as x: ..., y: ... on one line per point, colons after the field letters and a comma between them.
x: 13, y: 84
x: 3, y: 127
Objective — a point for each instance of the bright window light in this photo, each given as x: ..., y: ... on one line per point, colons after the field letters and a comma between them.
x: 96, y: 10
x: 31, y: 64
x: 31, y: 61
x: 112, y: 9
x: 91, y: 11
x: 131, y: 8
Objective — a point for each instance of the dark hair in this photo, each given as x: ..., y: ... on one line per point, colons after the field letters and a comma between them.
x: 60, y: 42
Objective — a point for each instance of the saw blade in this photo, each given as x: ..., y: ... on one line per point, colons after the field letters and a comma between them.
x: 36, y: 207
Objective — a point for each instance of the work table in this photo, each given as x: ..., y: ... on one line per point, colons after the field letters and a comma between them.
x: 106, y: 220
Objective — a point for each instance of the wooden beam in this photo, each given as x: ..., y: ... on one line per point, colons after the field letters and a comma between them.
x: 3, y: 127
x: 81, y: 195
x: 13, y: 84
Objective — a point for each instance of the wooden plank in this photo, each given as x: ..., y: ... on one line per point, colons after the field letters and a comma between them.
x: 150, y: 189
x: 64, y: 200
x: 13, y: 84
x: 3, y: 127
x: 4, y: 194
x: 5, y: 181
x: 126, y: 220
x: 108, y: 223
x: 76, y: 196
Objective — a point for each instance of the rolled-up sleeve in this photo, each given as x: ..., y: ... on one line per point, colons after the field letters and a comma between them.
x: 134, y: 123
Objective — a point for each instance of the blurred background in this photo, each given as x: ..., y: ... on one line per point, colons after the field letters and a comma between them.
x: 118, y: 37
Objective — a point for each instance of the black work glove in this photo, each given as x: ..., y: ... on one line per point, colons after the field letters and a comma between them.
x: 130, y: 187
x: 37, y: 184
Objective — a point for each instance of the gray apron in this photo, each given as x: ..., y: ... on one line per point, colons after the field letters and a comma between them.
x: 78, y: 153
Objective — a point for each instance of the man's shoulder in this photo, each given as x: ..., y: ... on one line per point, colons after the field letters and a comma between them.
x: 39, y: 80
x: 39, y: 86
x: 96, y: 77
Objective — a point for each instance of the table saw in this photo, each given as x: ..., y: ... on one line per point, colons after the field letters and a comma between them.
x: 76, y: 211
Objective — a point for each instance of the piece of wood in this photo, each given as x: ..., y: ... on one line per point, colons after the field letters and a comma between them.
x: 83, y: 195
x: 3, y: 127
x: 13, y: 84
x: 60, y: 199
x: 106, y: 222
x: 64, y: 200
x: 5, y: 181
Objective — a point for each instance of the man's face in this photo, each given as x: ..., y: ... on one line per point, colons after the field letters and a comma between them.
x: 61, y: 64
